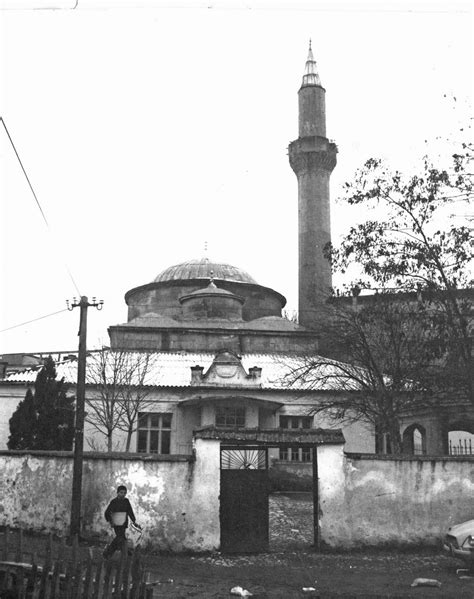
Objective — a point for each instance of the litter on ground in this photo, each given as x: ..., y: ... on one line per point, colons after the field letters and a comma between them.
x: 425, y: 582
x: 240, y: 592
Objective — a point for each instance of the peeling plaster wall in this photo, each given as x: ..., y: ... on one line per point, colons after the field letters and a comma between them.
x: 377, y: 501
x: 176, y: 500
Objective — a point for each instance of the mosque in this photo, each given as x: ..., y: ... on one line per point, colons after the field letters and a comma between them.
x: 218, y: 344
x: 218, y: 347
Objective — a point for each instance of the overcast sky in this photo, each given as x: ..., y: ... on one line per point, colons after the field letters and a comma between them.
x: 147, y: 131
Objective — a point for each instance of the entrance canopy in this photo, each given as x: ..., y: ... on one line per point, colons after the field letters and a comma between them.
x: 274, y: 437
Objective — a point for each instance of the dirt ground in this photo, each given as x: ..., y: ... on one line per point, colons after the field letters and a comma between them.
x: 291, y: 566
x: 285, y: 575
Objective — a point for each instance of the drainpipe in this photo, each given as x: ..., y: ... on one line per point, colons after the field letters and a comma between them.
x: 317, y: 539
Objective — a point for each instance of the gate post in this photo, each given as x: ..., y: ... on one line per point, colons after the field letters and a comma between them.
x: 317, y: 539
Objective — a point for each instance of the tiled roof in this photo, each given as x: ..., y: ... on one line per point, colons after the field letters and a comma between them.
x: 278, y: 437
x: 173, y: 369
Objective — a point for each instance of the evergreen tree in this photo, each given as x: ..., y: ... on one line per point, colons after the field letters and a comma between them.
x: 23, y: 424
x: 45, y: 419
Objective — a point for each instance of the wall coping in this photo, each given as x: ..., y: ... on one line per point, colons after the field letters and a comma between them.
x: 97, y: 455
x: 408, y: 458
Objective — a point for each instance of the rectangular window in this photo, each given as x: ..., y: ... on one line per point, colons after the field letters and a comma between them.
x: 296, y: 421
x: 229, y: 417
x: 296, y: 454
x: 154, y: 433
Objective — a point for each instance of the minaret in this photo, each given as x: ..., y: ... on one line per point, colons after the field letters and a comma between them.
x: 312, y: 157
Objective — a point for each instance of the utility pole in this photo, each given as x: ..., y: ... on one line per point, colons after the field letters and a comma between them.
x: 83, y: 304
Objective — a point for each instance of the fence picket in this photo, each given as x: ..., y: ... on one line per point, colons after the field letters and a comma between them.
x: 75, y: 548
x: 56, y: 580
x: 69, y: 577
x: 89, y: 577
x: 63, y: 551
x: 78, y: 580
x: 19, y: 551
x: 108, y: 580
x: 127, y: 580
x: 119, y: 572
x: 20, y: 583
x: 49, y: 548
x: 34, y: 567
x: 36, y: 588
x: 48, y: 584
x: 137, y: 579
x: 6, y: 579
x: 7, y: 540
x: 97, y: 592
x: 43, y: 577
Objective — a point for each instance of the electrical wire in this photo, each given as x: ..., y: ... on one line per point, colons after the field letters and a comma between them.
x: 36, y: 197
x: 15, y: 326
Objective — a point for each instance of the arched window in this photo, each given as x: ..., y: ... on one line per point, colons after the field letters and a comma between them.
x: 417, y: 442
x: 461, y: 443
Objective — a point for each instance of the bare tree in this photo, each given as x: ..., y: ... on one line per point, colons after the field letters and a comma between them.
x: 105, y: 374
x: 135, y: 392
x: 383, y: 355
x: 411, y: 243
x: 120, y: 380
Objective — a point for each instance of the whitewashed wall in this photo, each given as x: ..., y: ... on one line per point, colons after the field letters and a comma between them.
x: 175, y: 499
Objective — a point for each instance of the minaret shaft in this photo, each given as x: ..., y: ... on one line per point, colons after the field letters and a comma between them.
x: 312, y: 111
x: 312, y: 158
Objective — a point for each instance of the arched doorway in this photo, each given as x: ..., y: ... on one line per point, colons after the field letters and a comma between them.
x: 414, y: 439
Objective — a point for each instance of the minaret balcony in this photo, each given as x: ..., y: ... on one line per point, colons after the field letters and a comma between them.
x: 307, y: 153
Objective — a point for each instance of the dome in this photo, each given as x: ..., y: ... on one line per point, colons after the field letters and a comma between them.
x: 204, y: 269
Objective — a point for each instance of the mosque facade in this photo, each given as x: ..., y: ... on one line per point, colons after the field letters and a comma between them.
x: 220, y: 351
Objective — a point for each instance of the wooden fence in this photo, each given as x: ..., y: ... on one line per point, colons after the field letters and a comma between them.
x: 68, y: 574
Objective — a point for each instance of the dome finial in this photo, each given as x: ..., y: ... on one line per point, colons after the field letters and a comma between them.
x: 211, y: 279
x: 311, y: 76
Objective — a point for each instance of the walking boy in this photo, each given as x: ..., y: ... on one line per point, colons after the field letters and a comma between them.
x: 117, y: 514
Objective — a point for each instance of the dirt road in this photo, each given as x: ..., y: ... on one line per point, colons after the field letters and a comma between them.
x: 284, y: 575
x: 284, y: 571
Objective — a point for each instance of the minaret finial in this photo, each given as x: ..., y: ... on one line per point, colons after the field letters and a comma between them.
x: 311, y: 76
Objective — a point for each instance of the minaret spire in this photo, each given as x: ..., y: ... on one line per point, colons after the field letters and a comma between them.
x: 310, y: 76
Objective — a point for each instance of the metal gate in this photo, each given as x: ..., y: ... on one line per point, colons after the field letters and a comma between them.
x: 244, y: 499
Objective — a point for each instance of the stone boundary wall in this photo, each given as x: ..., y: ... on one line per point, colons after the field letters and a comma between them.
x: 385, y: 500
x: 365, y: 500
x: 175, y: 498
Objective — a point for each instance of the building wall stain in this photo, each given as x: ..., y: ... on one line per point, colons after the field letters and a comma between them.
x: 178, y: 510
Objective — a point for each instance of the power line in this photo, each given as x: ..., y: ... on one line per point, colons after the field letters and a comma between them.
x: 24, y: 172
x: 35, y: 196
x: 15, y: 326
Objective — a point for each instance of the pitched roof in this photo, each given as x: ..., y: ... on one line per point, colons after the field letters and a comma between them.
x: 173, y: 369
